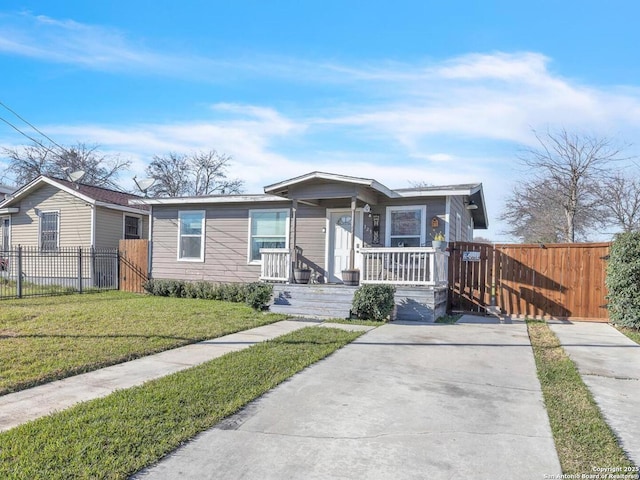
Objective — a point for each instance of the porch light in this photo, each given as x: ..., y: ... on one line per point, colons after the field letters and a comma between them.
x: 366, y: 208
x: 471, y: 205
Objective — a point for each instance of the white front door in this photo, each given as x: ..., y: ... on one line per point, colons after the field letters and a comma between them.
x: 339, y: 242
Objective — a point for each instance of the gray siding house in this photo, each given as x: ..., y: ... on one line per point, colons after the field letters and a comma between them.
x: 50, y: 213
x: 327, y: 224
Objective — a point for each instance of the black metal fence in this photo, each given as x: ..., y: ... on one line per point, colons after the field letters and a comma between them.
x: 30, y: 271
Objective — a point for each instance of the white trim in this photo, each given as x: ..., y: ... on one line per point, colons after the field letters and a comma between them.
x: 458, y: 231
x: 447, y: 217
x: 40, y: 213
x: 211, y: 199
x: 333, y: 177
x: 442, y: 192
x: 124, y: 226
x: 202, y: 235
x: 359, y: 236
x: 423, y: 226
x: 267, y: 210
x: 9, y: 210
x: 120, y: 208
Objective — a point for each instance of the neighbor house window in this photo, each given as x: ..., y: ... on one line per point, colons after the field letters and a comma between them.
x: 6, y: 236
x: 191, y: 235
x: 406, y: 226
x: 267, y: 229
x: 458, y: 237
x: 49, y: 230
x: 131, y: 228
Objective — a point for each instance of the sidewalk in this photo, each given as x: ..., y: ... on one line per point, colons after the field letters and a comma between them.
x: 609, y: 364
x: 20, y: 407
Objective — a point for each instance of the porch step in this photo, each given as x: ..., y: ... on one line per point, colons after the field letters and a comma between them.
x: 313, y: 300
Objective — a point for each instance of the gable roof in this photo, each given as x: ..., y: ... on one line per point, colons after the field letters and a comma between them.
x: 91, y: 194
x: 281, y: 188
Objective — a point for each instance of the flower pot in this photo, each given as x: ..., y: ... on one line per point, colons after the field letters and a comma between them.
x: 301, y: 275
x: 351, y: 277
x: 437, y: 244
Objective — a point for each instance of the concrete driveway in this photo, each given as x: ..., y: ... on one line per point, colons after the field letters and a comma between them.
x: 404, y: 401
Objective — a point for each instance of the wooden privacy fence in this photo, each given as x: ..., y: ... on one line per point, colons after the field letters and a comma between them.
x: 134, y: 265
x: 564, y: 281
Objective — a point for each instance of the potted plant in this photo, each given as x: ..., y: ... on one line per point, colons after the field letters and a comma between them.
x: 301, y: 275
x: 351, y: 277
x: 438, y: 241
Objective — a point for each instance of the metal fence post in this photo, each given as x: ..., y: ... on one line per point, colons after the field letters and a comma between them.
x: 19, y: 277
x: 80, y: 269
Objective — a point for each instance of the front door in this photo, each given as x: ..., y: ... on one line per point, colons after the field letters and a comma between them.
x: 339, y: 242
x: 5, y: 239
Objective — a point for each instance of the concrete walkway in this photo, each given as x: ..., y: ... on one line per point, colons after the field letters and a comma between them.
x: 402, y: 401
x: 20, y: 407
x: 609, y: 364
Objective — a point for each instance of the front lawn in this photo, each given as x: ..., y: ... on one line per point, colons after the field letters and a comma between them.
x: 632, y: 333
x: 48, y: 338
x: 582, y: 437
x: 115, y: 436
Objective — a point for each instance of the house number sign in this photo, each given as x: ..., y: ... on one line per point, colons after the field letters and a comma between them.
x: 470, y: 256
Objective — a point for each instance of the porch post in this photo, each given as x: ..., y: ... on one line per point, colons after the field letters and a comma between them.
x: 292, y: 249
x: 352, y: 250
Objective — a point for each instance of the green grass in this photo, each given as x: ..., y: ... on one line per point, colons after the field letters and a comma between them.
x: 448, y: 319
x: 582, y: 437
x: 632, y: 333
x: 116, y: 436
x: 355, y: 321
x: 48, y: 338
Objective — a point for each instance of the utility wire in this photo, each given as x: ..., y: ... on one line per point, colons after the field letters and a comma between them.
x: 32, y: 126
x: 33, y: 139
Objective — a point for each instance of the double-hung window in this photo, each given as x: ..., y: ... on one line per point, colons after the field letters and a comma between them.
x: 267, y: 229
x: 49, y: 231
x: 406, y: 226
x: 191, y: 235
x: 131, y: 227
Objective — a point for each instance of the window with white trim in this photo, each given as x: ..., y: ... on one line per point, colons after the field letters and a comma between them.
x: 6, y: 235
x: 267, y: 229
x: 191, y: 235
x: 458, y: 237
x: 406, y: 226
x: 49, y: 230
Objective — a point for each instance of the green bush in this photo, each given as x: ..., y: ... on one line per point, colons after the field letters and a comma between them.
x: 623, y: 280
x: 373, y: 302
x: 257, y: 295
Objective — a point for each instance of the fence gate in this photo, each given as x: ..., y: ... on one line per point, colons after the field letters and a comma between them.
x: 134, y: 265
x: 564, y: 281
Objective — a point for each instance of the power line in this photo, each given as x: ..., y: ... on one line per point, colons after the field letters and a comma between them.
x: 33, y: 139
x: 32, y: 126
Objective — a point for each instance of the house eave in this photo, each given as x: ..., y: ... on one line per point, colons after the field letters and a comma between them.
x: 121, y: 208
x: 206, y: 200
x: 7, y: 210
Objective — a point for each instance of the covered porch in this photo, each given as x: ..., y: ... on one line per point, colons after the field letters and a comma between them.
x: 416, y: 266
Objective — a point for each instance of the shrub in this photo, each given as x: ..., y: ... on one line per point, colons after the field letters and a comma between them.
x: 257, y: 295
x: 374, y: 302
x: 623, y: 280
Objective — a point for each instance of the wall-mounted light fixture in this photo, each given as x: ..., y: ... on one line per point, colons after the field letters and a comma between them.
x: 471, y: 205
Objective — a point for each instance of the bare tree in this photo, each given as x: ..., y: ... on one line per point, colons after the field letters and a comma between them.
x: 201, y: 173
x: 28, y: 162
x: 563, y: 195
x: 621, y: 201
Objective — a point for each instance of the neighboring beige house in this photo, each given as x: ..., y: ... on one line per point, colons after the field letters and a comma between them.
x: 306, y: 222
x: 50, y: 213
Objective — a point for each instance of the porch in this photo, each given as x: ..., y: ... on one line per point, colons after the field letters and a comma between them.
x: 411, y: 266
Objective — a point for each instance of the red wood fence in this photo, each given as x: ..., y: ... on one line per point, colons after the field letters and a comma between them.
x: 564, y: 281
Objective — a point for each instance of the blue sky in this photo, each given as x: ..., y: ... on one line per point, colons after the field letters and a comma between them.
x: 402, y: 91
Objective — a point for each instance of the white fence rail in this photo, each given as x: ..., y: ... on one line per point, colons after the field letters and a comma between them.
x: 404, y: 266
x: 276, y: 264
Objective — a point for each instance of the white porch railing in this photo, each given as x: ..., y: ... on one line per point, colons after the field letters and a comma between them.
x: 276, y: 264
x: 404, y: 266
